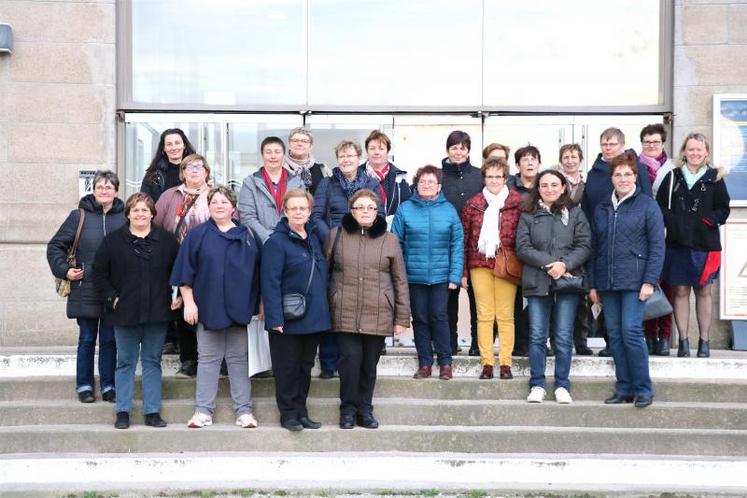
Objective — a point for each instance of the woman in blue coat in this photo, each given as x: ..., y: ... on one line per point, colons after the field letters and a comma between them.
x: 628, y: 240
x: 293, y: 262
x: 217, y: 271
x: 432, y: 239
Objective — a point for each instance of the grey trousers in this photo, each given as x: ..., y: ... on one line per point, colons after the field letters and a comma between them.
x: 212, y: 347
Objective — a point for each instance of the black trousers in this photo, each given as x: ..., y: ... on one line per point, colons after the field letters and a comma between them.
x: 187, y: 336
x: 292, y: 360
x: 359, y: 356
x: 453, y: 310
x: 521, y: 325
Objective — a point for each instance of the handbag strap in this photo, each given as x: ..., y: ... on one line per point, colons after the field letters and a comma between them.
x: 671, y: 187
x: 338, y: 233
x: 311, y: 275
x: 76, y: 241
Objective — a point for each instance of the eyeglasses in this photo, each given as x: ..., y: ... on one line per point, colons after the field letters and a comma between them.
x: 194, y: 167
x: 622, y: 175
x: 652, y: 143
x: 300, y: 141
x: 493, y: 177
x: 347, y: 156
x: 428, y: 183
x: 297, y: 209
x: 104, y: 188
x: 609, y: 144
x: 364, y: 208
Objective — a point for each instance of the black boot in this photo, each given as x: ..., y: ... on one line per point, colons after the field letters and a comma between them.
x: 662, y: 347
x: 650, y: 345
x: 683, y: 350
x: 704, y: 350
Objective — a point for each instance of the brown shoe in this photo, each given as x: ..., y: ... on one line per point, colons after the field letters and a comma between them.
x: 506, y: 372
x: 422, y: 373
x: 444, y: 372
x: 487, y: 372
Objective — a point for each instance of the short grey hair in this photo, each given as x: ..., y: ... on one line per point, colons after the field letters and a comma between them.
x: 106, y: 176
x: 301, y: 131
x: 613, y: 133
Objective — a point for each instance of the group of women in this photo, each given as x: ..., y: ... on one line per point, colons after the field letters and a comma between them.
x: 337, y: 260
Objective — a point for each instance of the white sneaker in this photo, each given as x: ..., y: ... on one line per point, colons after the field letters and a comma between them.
x: 536, y: 395
x: 562, y: 396
x: 246, y: 421
x: 200, y: 420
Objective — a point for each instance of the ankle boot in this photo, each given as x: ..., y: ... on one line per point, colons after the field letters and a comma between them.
x: 683, y: 350
x: 662, y: 347
x: 650, y: 345
x: 704, y: 350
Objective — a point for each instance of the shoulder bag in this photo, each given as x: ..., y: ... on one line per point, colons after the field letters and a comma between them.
x: 508, y: 266
x: 294, y: 303
x: 63, y: 285
x: 657, y: 305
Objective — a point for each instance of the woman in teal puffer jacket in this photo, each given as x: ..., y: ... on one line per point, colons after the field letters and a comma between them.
x: 432, y: 239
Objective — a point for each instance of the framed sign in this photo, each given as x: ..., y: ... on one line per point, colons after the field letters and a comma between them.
x: 730, y: 143
x: 85, y: 181
x: 733, y: 284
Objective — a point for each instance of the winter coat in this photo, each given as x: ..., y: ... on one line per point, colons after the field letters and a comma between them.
x: 430, y: 233
x: 286, y: 266
x: 317, y: 175
x: 696, y: 213
x: 514, y: 182
x: 661, y: 174
x: 396, y: 189
x: 142, y: 285
x: 331, y: 203
x: 599, y: 185
x: 542, y: 238
x: 460, y: 182
x: 169, y: 203
x: 83, y: 301
x: 257, y: 206
x: 223, y: 270
x: 368, y: 291
x: 158, y: 182
x: 628, y: 244
x: 472, y: 219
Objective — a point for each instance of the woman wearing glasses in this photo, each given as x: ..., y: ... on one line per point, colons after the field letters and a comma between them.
x: 430, y: 232
x: 299, y: 160
x: 368, y: 301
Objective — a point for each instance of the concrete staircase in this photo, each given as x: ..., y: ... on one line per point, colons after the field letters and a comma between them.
x: 459, y: 436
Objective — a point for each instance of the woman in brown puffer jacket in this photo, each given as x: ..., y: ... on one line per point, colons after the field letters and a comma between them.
x: 369, y: 300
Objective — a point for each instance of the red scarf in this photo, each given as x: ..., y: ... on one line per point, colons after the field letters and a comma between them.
x: 277, y: 191
x: 382, y: 174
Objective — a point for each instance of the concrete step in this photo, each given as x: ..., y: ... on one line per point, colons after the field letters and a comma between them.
x: 97, y: 438
x: 369, y: 474
x: 583, y: 389
x: 412, y: 412
x: 19, y: 362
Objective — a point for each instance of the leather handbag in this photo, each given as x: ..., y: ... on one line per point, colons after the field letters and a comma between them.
x: 63, y: 285
x: 294, y: 303
x: 508, y: 266
x: 657, y: 305
x: 573, y: 284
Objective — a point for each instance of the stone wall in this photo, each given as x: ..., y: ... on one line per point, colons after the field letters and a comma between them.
x: 57, y: 103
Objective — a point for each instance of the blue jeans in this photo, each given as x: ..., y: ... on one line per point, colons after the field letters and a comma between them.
x: 623, y: 316
x: 563, y: 308
x: 145, y: 341
x: 430, y: 322
x: 89, y: 329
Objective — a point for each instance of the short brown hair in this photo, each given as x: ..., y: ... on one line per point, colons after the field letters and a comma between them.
x: 613, y: 133
x: 348, y: 144
x: 527, y: 150
x: 627, y: 158
x: 190, y: 159
x: 379, y: 136
x: 225, y: 192
x: 139, y: 197
x: 298, y: 193
x: 655, y: 129
x: 495, y: 163
x: 428, y: 169
x: 494, y: 146
x: 570, y: 148
x: 363, y: 193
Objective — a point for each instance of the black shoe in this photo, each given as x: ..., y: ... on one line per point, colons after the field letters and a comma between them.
x: 347, y: 421
x: 292, y: 424
x: 223, y: 369
x: 650, y: 345
x: 618, y: 399
x: 123, y: 421
x: 187, y: 370
x: 704, y: 349
x: 86, y: 397
x: 662, y: 348
x: 520, y: 352
x: 170, y: 348
x: 643, y: 401
x: 267, y: 374
x: 474, y: 350
x: 367, y: 421
x: 605, y: 353
x: 327, y: 374
x: 307, y: 423
x: 154, y: 420
x: 110, y: 396
x: 683, y: 349
x: 584, y: 350
x: 383, y: 350
x: 549, y: 351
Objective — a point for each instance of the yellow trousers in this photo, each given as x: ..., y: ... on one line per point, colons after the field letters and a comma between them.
x: 495, y: 304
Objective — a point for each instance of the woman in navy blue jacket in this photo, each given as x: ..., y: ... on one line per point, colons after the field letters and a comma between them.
x: 217, y: 271
x: 293, y: 262
x: 628, y: 239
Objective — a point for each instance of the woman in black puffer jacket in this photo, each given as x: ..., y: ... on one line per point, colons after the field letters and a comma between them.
x: 102, y: 213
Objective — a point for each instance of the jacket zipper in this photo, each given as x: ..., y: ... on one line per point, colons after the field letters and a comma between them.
x: 612, y: 252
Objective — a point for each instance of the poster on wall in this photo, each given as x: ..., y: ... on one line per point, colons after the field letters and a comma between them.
x: 733, y: 284
x: 730, y: 143
x: 85, y: 181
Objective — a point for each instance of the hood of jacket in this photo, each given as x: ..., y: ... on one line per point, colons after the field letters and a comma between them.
x: 88, y: 203
x: 378, y: 228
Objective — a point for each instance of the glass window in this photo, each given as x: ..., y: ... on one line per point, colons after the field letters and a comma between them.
x: 329, y: 130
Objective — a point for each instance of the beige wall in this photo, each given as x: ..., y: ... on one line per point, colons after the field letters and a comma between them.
x: 57, y: 102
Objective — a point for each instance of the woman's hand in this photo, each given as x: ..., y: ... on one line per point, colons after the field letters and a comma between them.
x: 398, y: 329
x: 177, y: 303
x: 465, y: 283
x: 647, y: 290
x: 556, y: 269
x: 190, y: 313
x: 452, y: 286
x: 278, y: 329
x: 261, y: 311
x: 74, y: 274
x: 594, y: 296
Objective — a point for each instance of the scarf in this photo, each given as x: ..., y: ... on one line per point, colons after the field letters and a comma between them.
x: 564, y: 215
x: 381, y: 175
x: 490, y: 239
x: 616, y: 202
x: 297, y: 167
x: 351, y: 187
x: 277, y: 192
x: 653, y: 164
x: 190, y: 212
x: 141, y: 246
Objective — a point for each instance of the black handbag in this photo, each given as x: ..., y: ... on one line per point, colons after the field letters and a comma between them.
x: 294, y: 303
x: 657, y: 305
x: 575, y: 284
